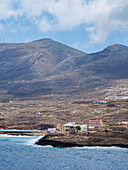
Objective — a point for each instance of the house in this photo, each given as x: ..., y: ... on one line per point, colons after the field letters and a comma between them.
x: 103, y: 101
x: 66, y: 127
x: 71, y: 127
x: 38, y: 113
x: 51, y: 130
x: 83, y: 128
x: 72, y: 130
x: 95, y: 124
x: 123, y: 123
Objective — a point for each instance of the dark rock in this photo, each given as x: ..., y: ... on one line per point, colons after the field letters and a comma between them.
x: 73, y: 140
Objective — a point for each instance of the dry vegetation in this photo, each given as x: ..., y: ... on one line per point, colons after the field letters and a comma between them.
x: 56, y: 111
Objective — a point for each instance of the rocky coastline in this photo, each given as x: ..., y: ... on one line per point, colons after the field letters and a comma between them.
x: 61, y: 140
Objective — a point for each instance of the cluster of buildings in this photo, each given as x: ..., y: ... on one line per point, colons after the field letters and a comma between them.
x: 73, y: 127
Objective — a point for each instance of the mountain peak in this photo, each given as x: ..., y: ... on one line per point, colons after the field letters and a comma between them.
x: 116, y: 47
x: 45, y: 39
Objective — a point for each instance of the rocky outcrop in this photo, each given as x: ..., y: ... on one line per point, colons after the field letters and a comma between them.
x: 80, y: 140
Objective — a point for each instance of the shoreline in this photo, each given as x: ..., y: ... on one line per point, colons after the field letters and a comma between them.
x: 66, y: 140
x: 82, y: 140
x: 73, y: 140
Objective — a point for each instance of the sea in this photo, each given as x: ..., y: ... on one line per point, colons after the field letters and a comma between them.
x: 20, y: 153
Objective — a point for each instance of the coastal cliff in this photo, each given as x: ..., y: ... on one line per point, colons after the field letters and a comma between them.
x: 61, y: 140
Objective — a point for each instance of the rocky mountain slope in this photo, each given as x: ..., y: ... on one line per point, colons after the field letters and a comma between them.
x: 49, y: 67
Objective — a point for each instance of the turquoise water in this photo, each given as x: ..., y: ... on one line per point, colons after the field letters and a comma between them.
x: 20, y: 153
x: 15, y: 130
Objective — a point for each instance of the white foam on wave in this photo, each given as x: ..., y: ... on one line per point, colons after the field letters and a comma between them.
x: 20, y: 139
x: 46, y: 146
x: 101, y: 148
x: 32, y: 141
x: 4, y: 135
x: 14, y: 136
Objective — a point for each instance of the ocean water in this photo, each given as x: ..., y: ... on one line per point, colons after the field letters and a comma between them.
x: 15, y: 130
x: 20, y: 153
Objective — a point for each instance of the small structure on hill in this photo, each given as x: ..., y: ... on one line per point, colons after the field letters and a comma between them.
x: 83, y: 128
x: 73, y: 127
x: 38, y: 113
x: 102, y: 101
x: 123, y: 123
x: 72, y: 130
x: 66, y: 127
x: 95, y: 124
x: 51, y: 130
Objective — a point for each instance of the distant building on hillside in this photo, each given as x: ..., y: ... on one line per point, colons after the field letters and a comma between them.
x: 83, y: 128
x: 123, y: 123
x: 66, y: 127
x: 103, y: 101
x: 71, y: 127
x: 51, y: 130
x: 95, y: 124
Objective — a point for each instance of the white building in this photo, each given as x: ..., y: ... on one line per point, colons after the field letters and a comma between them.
x: 83, y: 128
x: 123, y: 123
x: 51, y: 130
x: 103, y: 101
x: 66, y: 127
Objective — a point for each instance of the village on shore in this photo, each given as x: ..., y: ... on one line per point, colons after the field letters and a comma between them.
x: 93, y: 126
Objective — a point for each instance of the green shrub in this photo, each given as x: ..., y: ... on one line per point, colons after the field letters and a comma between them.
x: 78, y: 127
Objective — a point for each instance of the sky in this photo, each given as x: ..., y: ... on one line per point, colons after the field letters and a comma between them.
x: 88, y: 25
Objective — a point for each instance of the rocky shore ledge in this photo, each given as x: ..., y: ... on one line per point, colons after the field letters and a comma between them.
x: 61, y: 140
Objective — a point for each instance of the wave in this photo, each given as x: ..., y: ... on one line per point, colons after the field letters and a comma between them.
x: 32, y: 141
x: 20, y: 139
x: 15, y: 136
x: 101, y: 148
x: 46, y: 146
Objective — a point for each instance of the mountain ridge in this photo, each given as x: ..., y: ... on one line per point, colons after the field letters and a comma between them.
x: 46, y: 66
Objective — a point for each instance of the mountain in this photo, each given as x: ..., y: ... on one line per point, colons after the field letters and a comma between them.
x: 49, y: 67
x: 32, y: 59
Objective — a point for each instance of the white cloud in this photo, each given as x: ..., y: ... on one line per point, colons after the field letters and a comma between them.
x: 105, y: 16
x: 99, y: 17
x: 44, y: 24
x: 8, y: 10
x: 34, y: 8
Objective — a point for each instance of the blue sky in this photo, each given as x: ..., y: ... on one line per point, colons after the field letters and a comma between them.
x: 88, y: 25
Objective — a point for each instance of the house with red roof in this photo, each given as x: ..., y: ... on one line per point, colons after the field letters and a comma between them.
x: 95, y: 124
